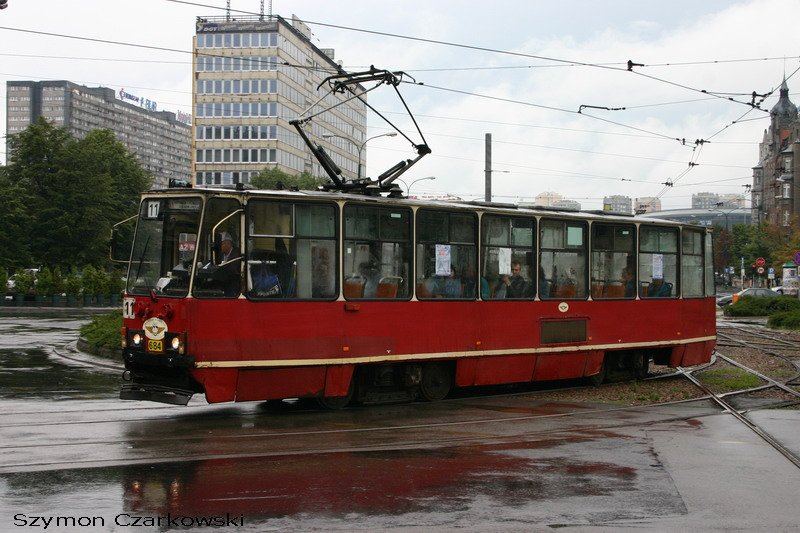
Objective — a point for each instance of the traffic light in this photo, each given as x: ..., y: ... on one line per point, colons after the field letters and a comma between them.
x: 3, y: 4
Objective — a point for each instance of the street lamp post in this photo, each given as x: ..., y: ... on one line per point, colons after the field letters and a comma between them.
x: 360, y: 147
x: 408, y: 187
x: 390, y: 134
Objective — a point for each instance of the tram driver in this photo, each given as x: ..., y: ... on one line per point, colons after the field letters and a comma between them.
x: 229, y: 261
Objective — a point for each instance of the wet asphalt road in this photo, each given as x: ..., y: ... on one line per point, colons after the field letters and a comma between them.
x: 73, y: 454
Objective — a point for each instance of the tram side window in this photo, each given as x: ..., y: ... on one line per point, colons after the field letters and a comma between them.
x: 658, y: 262
x: 446, y: 255
x: 377, y: 252
x: 220, y: 263
x: 563, y: 257
x: 291, y: 250
x: 692, y: 268
x: 613, y: 261
x: 709, y: 266
x: 508, y: 264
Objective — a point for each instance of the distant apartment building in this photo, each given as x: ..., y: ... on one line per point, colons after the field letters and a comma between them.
x: 646, y: 204
x: 705, y: 200
x: 254, y: 74
x: 547, y: 199
x: 617, y: 204
x: 160, y: 141
x: 773, y: 194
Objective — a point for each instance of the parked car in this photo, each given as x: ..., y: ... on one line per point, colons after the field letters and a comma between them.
x: 11, y: 284
x: 778, y: 289
x: 753, y: 291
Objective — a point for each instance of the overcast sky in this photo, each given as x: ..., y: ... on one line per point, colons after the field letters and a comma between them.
x: 527, y: 66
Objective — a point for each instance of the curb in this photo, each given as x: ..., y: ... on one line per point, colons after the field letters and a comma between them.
x: 14, y: 311
x: 105, y: 353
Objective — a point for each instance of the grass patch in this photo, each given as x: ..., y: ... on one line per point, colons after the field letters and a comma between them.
x: 103, y: 331
x: 729, y: 378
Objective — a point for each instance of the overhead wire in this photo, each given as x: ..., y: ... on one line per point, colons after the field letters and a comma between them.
x: 459, y: 45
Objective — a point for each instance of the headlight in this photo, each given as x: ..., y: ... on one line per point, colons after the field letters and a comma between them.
x: 176, y: 343
x: 137, y: 339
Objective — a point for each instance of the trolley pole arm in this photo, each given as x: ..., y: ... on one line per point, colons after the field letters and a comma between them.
x: 319, y: 152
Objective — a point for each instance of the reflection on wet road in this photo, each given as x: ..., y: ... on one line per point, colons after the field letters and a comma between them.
x: 30, y: 369
x: 70, y: 449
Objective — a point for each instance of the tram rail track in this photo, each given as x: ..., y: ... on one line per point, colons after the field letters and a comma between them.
x: 247, y: 417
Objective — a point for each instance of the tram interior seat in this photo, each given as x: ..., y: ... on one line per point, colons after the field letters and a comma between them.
x: 388, y: 286
x: 354, y: 287
x: 614, y: 290
x: 597, y: 289
x: 262, y: 280
x: 567, y: 290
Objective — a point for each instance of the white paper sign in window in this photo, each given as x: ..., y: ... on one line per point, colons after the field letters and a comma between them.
x: 504, y: 261
x: 658, y: 266
x: 442, y: 259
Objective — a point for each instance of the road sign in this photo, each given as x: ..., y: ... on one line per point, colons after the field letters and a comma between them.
x: 760, y: 262
x: 796, y: 257
x: 760, y: 270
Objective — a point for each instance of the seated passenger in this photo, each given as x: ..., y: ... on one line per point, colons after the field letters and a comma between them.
x: 446, y: 286
x: 544, y: 285
x: 369, y: 271
x: 516, y: 286
x: 659, y: 289
x: 629, y: 282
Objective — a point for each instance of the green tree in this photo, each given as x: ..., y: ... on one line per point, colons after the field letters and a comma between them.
x: 273, y: 178
x: 73, y: 191
x: 15, y: 219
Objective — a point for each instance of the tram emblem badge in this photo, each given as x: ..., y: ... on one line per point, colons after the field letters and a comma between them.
x: 154, y: 328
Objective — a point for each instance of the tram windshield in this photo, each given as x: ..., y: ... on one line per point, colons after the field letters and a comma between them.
x: 164, y: 246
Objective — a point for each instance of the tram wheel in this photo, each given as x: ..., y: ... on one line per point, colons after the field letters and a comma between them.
x: 640, y: 365
x: 437, y: 380
x: 598, y: 379
x: 334, y: 403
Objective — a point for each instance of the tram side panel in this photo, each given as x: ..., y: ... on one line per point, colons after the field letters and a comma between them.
x: 261, y: 350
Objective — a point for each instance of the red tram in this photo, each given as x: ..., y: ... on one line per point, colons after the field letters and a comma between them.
x: 355, y: 292
x: 335, y: 296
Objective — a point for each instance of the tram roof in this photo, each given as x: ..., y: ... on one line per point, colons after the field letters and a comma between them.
x: 488, y: 207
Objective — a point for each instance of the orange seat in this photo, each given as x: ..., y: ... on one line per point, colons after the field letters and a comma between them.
x: 353, y: 288
x: 615, y: 290
x: 386, y: 290
x: 422, y: 291
x: 597, y: 289
x: 566, y: 291
x: 388, y: 286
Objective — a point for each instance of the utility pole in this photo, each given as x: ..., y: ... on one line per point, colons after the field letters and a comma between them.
x: 488, y: 168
